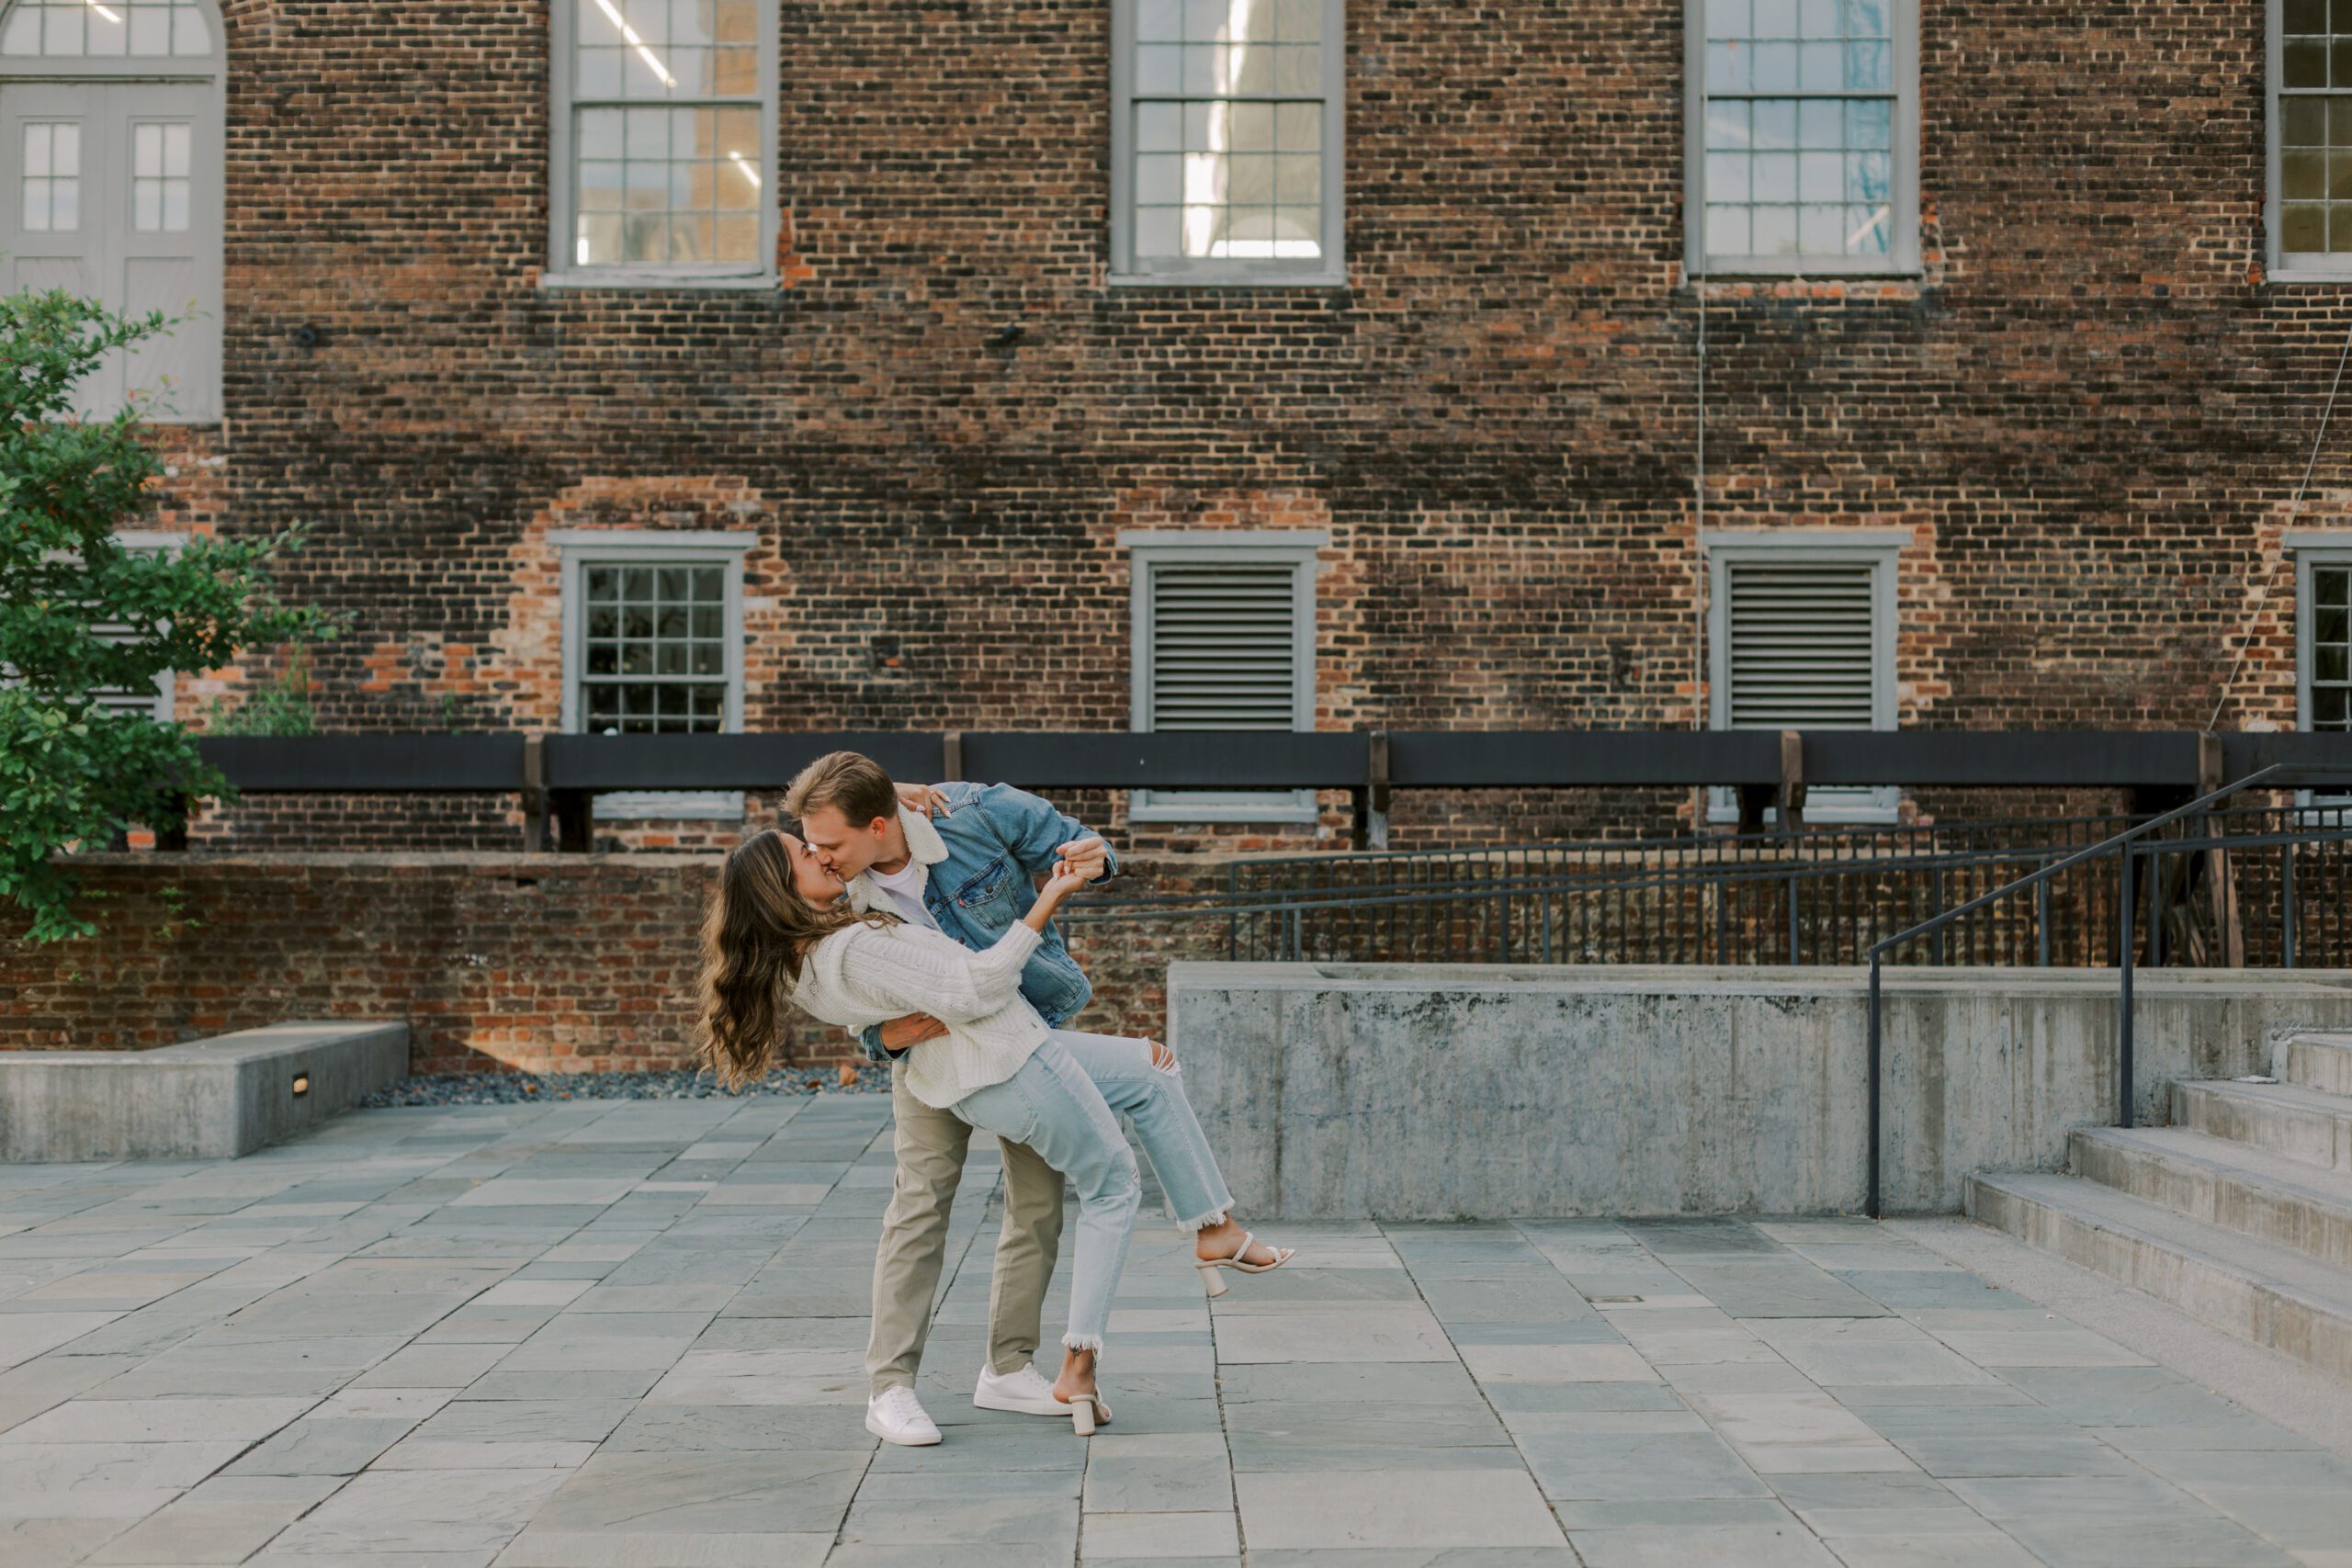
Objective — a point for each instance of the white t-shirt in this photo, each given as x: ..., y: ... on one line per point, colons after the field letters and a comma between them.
x: 904, y: 888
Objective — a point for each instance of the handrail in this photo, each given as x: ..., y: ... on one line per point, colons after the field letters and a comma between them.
x: 2126, y: 913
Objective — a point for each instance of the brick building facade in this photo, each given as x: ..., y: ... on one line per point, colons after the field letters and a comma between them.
x: 922, y: 380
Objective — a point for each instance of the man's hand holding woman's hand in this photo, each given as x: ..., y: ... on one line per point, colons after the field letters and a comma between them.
x: 1089, y: 855
x: 1067, y: 877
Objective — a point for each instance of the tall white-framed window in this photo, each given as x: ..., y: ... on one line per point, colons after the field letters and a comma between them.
x: 653, y: 645
x: 110, y: 183
x: 2309, y: 116
x: 663, y: 125
x: 1224, y: 639
x: 2324, y: 642
x: 1227, y: 130
x: 1803, y: 137
x: 1801, y: 628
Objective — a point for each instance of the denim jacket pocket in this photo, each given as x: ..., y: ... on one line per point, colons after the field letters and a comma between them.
x: 988, y: 888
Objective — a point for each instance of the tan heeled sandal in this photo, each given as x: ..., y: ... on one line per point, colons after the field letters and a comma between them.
x: 1212, y: 1270
x: 1086, y: 1414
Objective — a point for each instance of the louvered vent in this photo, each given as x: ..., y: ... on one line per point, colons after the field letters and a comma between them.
x: 1224, y: 648
x: 121, y: 699
x: 1802, y: 645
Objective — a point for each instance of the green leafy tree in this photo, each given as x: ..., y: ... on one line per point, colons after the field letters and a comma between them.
x: 83, y: 617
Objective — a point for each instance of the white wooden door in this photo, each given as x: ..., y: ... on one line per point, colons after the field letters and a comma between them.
x: 112, y: 189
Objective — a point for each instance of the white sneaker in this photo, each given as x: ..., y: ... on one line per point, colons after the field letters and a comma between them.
x: 1023, y: 1393
x: 896, y: 1415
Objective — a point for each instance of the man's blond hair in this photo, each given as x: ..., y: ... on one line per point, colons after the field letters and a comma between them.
x: 850, y: 782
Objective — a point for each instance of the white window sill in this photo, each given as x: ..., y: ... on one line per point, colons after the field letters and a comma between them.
x: 1828, y: 817
x: 621, y: 280
x: 2308, y: 275
x: 1228, y: 280
x: 1287, y: 808
x: 1820, y: 269
x: 1840, y: 810
x: 670, y: 806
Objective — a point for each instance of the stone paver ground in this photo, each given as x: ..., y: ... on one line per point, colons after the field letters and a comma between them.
x: 625, y: 1334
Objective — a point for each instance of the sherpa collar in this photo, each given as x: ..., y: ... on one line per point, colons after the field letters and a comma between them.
x: 928, y: 849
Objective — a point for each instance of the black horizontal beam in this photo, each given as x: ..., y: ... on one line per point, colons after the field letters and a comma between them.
x: 1672, y: 758
x: 367, y: 764
x: 1172, y: 760
x: 2315, y: 760
x: 724, y: 761
x: 2008, y: 758
x: 403, y: 764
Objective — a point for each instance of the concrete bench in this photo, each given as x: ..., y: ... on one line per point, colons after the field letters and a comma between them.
x: 206, y: 1099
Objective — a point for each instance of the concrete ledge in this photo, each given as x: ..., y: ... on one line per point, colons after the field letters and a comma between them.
x: 1434, y: 1092
x: 206, y: 1099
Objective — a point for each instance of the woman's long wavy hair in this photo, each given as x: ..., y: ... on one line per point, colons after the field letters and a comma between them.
x: 759, y: 931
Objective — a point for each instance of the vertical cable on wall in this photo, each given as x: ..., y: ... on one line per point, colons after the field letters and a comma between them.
x: 1699, y: 560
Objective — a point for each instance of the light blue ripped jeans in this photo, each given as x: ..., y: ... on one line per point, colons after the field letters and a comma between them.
x: 1062, y: 1103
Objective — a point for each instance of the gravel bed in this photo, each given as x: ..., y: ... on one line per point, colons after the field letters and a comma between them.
x: 519, y: 1089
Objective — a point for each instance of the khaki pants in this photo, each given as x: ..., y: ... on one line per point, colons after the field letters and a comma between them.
x: 931, y: 1145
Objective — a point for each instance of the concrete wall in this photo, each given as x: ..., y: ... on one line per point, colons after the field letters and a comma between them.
x: 206, y: 1099
x: 1436, y: 1092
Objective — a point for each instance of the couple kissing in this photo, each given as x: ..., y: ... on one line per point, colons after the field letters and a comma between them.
x: 913, y: 917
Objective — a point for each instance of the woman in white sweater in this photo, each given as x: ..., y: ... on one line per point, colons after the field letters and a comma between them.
x: 779, y: 929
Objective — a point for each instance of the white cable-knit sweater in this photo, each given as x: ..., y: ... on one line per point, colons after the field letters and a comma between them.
x: 862, y: 975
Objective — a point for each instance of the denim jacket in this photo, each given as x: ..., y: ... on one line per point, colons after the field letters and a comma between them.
x: 978, y: 857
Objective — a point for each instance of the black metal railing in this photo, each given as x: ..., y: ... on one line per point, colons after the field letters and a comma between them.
x: 2277, y: 899
x: 1819, y: 896
x: 2304, y: 829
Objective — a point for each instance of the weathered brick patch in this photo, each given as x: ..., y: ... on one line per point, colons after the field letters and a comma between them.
x: 555, y: 963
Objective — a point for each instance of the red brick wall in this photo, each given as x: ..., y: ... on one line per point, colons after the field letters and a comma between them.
x: 2088, y: 412
x: 555, y: 963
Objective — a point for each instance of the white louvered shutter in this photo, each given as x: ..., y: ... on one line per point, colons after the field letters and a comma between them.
x: 155, y: 704
x: 1804, y: 642
x: 1225, y: 647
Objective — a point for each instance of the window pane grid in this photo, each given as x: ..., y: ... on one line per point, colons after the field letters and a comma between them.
x: 52, y: 171
x: 669, y: 158
x: 1799, y: 136
x: 2331, y: 650
x: 1228, y: 109
x: 654, y: 650
x: 160, y: 179
x: 119, y: 28
x: 2315, y: 127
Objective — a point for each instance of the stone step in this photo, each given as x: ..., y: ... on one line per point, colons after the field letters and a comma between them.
x: 2323, y: 1062
x: 2266, y: 1294
x: 2303, y: 1124
x: 2260, y: 1195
